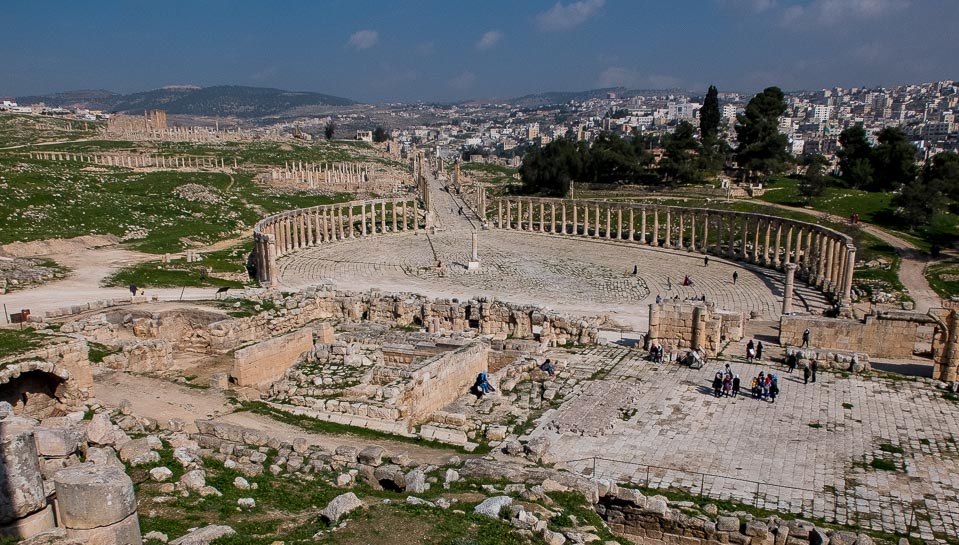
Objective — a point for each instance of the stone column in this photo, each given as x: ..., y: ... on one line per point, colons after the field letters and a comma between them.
x: 705, y: 233
x: 779, y: 235
x: 542, y: 217
x: 821, y: 250
x: 575, y: 219
x: 272, y: 279
x: 731, y: 237
x: 766, y: 261
x: 23, y: 510
x: 744, y: 233
x: 383, y: 217
x: 807, y: 255
x: 789, y: 246
x: 682, y: 231
x: 96, y: 504
x: 563, y: 230
x: 755, y: 255
x: 406, y: 219
x: 692, y: 232
x: 596, y: 221
x: 530, y: 226
x: 947, y: 362
x: 499, y: 213
x: 632, y: 225
x: 669, y: 227
x: 642, y: 226
x: 509, y: 210
x: 720, y: 226
x: 655, y: 241
x: 586, y: 220
x: 363, y: 219
x: 788, y: 291
x: 850, y: 269
x: 552, y: 217
x: 317, y: 231
x: 619, y: 223
x: 828, y: 281
x: 475, y: 244
x: 350, y: 215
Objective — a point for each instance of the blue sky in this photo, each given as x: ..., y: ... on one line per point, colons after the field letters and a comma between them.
x: 449, y: 50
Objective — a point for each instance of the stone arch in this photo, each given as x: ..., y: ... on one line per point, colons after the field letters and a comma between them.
x: 37, y: 389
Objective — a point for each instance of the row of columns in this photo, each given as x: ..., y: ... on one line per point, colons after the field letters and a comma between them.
x: 287, y: 232
x: 824, y: 258
x: 133, y: 161
x: 341, y: 174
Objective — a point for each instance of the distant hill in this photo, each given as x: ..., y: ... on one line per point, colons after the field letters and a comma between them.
x: 221, y: 100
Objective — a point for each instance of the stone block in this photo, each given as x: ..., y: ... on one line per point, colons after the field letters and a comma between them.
x: 21, y: 480
x: 91, y: 495
x: 124, y: 532
x: 29, y: 525
x: 56, y: 441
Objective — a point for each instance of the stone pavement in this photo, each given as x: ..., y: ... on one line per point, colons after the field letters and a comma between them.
x: 579, y: 276
x: 808, y: 453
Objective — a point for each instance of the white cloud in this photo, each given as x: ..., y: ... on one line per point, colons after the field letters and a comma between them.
x: 463, y: 81
x: 489, y: 40
x: 565, y: 16
x: 831, y: 12
x: 364, y: 39
x: 617, y: 76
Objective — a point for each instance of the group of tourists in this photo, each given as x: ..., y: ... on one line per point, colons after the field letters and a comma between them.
x: 754, y: 351
x: 763, y: 386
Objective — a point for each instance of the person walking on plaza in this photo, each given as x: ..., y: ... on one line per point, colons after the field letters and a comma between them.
x: 791, y: 362
x: 133, y: 289
x: 773, y: 389
x: 806, y: 373
x: 805, y: 338
x: 736, y: 386
x: 750, y: 351
x: 759, y: 351
x: 705, y: 261
x: 814, y: 367
x: 727, y: 385
x: 735, y: 277
x: 718, y: 384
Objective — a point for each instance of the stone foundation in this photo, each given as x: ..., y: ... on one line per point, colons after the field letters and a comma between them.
x: 692, y: 326
x: 268, y: 361
x: 40, y: 382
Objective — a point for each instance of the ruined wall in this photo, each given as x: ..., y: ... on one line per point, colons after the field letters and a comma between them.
x: 142, y: 356
x: 945, y: 345
x: 48, y: 378
x: 692, y: 325
x: 882, y: 335
x: 443, y: 379
x: 267, y: 361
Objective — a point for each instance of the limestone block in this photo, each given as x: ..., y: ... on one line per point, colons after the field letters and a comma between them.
x: 205, y: 535
x: 56, y: 441
x: 341, y: 505
x: 21, y: 480
x: 125, y: 532
x: 371, y: 456
x: 29, y: 525
x: 491, y: 507
x: 100, y: 430
x: 91, y: 495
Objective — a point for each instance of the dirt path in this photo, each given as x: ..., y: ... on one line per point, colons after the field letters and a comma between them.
x: 163, y: 400
x: 911, y: 269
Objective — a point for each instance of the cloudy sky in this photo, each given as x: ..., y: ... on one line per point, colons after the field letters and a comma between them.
x: 372, y: 50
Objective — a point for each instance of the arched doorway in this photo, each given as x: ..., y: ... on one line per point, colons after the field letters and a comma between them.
x: 34, y: 393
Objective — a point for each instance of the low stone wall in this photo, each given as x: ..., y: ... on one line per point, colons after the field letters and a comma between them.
x: 684, y: 325
x: 443, y: 379
x: 146, y: 356
x: 268, y: 361
x: 882, y: 335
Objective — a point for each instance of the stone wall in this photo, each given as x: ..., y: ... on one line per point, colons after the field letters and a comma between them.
x: 881, y: 335
x: 443, y: 379
x: 38, y: 382
x: 686, y: 325
x: 142, y: 356
x: 268, y: 361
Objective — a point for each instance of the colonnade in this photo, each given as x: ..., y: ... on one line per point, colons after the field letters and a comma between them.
x: 824, y: 258
x: 134, y: 160
x: 346, y: 174
x: 292, y: 230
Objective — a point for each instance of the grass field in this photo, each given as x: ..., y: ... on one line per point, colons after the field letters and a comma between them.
x: 179, y: 273
x: 944, y: 278
x: 42, y: 199
x: 19, y: 129
x: 17, y: 341
x: 491, y: 174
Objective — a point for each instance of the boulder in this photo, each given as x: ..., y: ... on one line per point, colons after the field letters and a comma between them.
x: 241, y: 483
x: 100, y: 430
x: 371, y: 456
x: 300, y: 445
x: 193, y: 480
x: 416, y: 481
x: 341, y: 505
x: 246, y: 503
x: 103, y: 456
x: 138, y: 452
x: 56, y: 441
x: 160, y: 474
x: 390, y: 477
x: 204, y: 536
x: 491, y: 507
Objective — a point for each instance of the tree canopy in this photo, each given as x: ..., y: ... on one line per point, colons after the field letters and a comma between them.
x: 709, y: 116
x: 762, y: 148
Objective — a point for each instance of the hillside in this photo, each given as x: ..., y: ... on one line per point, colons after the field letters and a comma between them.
x: 222, y: 100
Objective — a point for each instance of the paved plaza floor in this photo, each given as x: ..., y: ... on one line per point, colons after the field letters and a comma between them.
x: 812, y: 450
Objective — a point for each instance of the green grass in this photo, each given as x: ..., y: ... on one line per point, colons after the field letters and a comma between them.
x: 246, y: 308
x: 883, y: 464
x: 177, y: 273
x: 20, y: 129
x: 887, y: 447
x: 944, y: 278
x: 99, y: 351
x: 18, y: 341
x: 43, y: 200
x: 491, y: 174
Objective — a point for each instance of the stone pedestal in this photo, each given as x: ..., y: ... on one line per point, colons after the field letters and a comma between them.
x: 96, y: 503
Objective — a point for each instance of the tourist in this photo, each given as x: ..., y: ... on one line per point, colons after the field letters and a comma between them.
x: 805, y: 373
x: 729, y: 370
x: 759, y: 351
x: 133, y: 290
x: 791, y: 361
x: 773, y: 389
x: 669, y: 283
x: 718, y: 384
x: 750, y: 351
x: 659, y: 299
x: 735, y: 277
x: 754, y: 387
x: 482, y: 385
x: 548, y: 367
x: 805, y: 338
x: 813, y: 367
x: 728, y: 385
x: 687, y: 281
x: 705, y: 261
x: 635, y: 270
x: 735, y: 386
